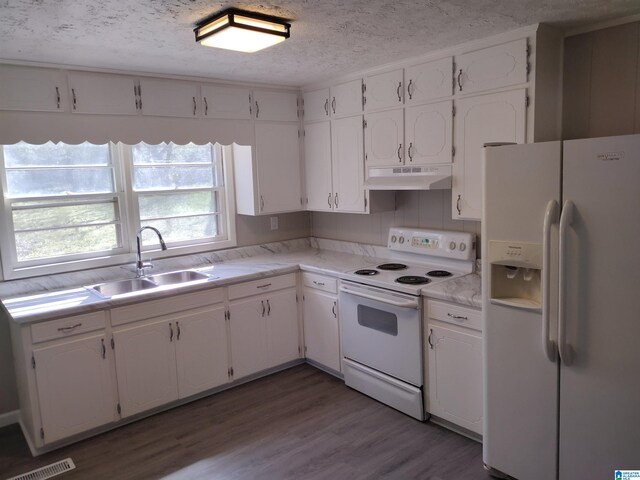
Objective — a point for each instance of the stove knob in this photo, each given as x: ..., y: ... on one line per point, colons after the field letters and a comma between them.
x: 452, y: 245
x: 463, y: 246
x: 401, y: 240
x: 393, y: 239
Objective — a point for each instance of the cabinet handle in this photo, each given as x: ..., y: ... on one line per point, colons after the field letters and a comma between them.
x: 429, y: 338
x: 318, y: 283
x: 73, y: 94
x: 104, y: 349
x: 171, y: 332
x: 72, y: 327
x: 263, y: 309
x: 409, y: 151
x: 257, y: 109
x: 206, y: 106
x: 326, y: 107
x: 333, y: 309
x: 194, y: 105
x: 335, y: 200
x: 329, y: 199
x: 458, y: 205
x: 457, y: 317
x: 268, y: 309
x: 261, y: 203
x: 333, y: 105
x: 459, y: 80
x: 399, y: 148
x: 58, y: 97
x: 250, y: 106
x: 399, y: 91
x: 178, y: 327
x: 410, y: 89
x: 264, y: 285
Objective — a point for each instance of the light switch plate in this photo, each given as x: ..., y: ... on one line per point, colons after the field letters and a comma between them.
x: 274, y: 223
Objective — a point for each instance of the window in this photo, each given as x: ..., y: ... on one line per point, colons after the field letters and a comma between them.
x: 68, y: 207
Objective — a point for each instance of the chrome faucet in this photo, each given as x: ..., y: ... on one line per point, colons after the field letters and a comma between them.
x: 140, y: 265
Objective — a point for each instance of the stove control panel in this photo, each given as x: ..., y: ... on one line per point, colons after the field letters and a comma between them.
x: 455, y: 245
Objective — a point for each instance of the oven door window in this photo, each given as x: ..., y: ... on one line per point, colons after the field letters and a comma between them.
x: 379, y: 320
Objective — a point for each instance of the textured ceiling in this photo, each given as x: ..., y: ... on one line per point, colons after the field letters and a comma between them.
x: 328, y: 37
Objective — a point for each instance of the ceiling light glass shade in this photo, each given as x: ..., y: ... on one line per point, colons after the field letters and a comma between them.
x: 242, y: 31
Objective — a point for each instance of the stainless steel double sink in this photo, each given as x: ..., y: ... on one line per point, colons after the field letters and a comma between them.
x: 123, y: 287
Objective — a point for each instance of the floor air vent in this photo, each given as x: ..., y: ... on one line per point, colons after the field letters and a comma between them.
x: 49, y: 471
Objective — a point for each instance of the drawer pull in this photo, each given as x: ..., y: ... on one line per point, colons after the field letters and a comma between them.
x: 72, y: 327
x: 319, y: 283
x: 263, y: 286
x: 457, y: 317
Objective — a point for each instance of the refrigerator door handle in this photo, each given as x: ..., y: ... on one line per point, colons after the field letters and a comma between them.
x: 566, y: 219
x: 550, y: 218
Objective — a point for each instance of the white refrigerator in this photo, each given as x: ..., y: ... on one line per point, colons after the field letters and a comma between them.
x: 561, y: 312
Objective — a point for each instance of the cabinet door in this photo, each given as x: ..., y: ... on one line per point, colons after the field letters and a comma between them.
x: 76, y: 389
x: 429, y: 133
x: 384, y: 138
x: 32, y: 89
x: 248, y: 336
x: 346, y: 98
x: 317, y: 159
x: 498, y: 117
x: 226, y: 102
x: 321, y: 330
x: 384, y: 90
x: 146, y: 366
x: 99, y: 93
x: 429, y: 81
x: 278, y: 106
x: 316, y: 105
x: 169, y: 98
x: 455, y: 377
x: 493, y: 67
x: 201, y: 351
x: 283, y: 344
x: 348, y: 164
x: 278, y: 165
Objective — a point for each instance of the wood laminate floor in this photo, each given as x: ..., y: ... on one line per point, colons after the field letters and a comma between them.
x: 297, y: 424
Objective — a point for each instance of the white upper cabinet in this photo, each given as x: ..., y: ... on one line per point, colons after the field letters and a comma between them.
x: 32, y: 89
x: 497, y: 117
x: 169, y: 98
x: 348, y: 166
x: 316, y: 105
x: 346, y: 98
x: 225, y: 102
x: 278, y: 106
x: 384, y: 90
x: 317, y: 159
x: 493, y: 67
x: 98, y: 93
x: 383, y: 137
x: 429, y: 81
x: 429, y: 133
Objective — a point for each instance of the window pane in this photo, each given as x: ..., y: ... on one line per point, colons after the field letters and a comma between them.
x: 171, y: 205
x: 64, y: 181
x: 181, y: 229
x: 67, y: 241
x: 58, y: 216
x: 162, y: 178
x: 55, y: 154
x: 171, y: 153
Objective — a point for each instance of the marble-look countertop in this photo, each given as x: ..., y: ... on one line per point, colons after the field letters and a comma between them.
x: 313, y: 256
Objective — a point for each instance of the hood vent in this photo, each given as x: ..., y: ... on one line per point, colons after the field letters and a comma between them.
x: 428, y: 177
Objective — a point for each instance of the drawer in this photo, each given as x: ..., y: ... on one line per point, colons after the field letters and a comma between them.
x: 455, y: 314
x: 320, y: 282
x: 164, y: 306
x: 264, y: 285
x: 67, y: 327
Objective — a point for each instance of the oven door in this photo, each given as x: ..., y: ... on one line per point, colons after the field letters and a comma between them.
x: 383, y: 330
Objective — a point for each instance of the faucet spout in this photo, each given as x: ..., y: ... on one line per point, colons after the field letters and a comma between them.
x: 140, y: 265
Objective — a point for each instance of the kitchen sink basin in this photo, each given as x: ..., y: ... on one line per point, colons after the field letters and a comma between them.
x: 122, y: 287
x: 174, y: 278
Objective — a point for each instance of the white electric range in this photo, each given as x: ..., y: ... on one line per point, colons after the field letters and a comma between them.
x: 381, y: 313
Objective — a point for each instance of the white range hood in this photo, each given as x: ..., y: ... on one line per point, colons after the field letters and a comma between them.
x: 426, y: 177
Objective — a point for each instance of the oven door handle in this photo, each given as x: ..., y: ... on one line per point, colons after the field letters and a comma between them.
x: 402, y: 303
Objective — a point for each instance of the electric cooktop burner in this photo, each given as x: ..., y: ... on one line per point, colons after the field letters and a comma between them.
x: 439, y: 273
x: 412, y: 280
x: 367, y: 271
x: 392, y: 266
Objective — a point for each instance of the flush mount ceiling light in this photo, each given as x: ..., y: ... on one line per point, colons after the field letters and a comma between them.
x: 235, y: 29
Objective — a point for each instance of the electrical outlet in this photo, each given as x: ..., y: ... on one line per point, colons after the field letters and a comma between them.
x: 274, y: 223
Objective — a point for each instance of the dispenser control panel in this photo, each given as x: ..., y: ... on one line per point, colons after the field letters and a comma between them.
x: 517, y: 254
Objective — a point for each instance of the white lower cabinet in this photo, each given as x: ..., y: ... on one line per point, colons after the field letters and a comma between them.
x: 76, y: 388
x: 321, y: 328
x: 454, y: 357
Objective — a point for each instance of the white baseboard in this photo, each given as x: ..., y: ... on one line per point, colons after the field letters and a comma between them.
x: 9, y: 418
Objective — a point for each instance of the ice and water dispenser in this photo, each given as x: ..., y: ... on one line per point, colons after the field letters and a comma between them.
x: 515, y: 274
